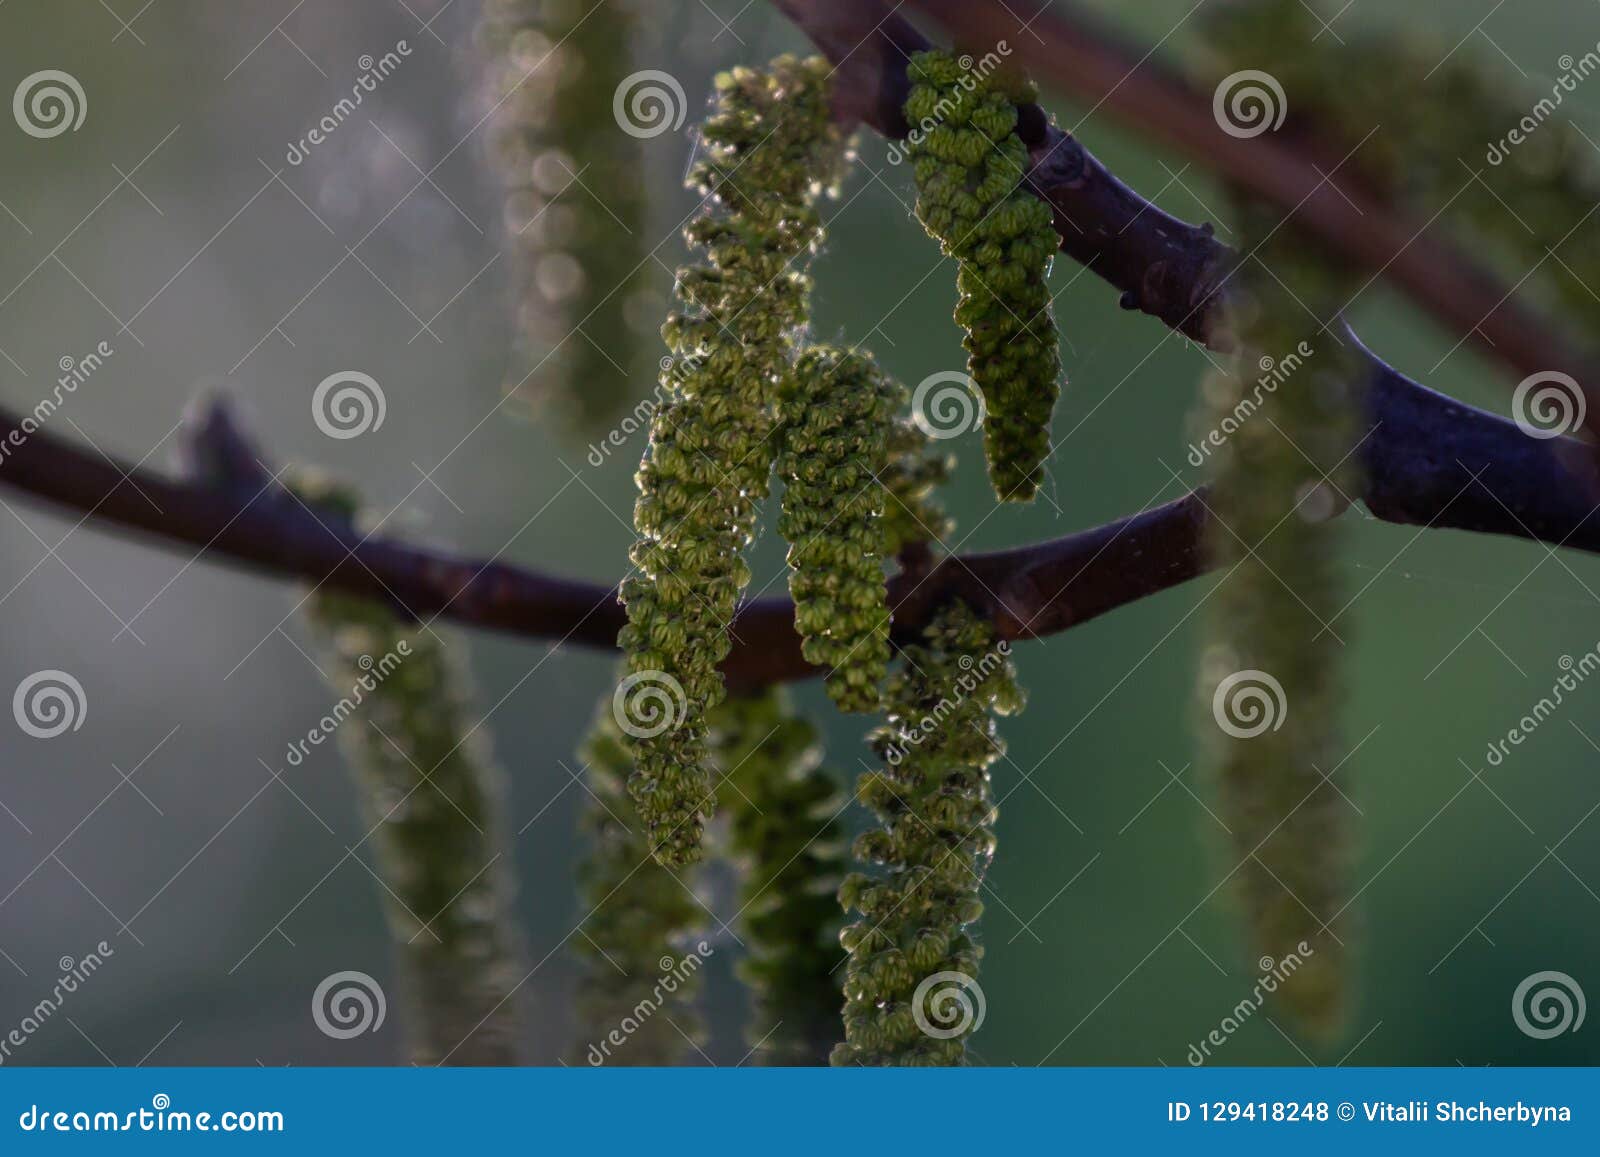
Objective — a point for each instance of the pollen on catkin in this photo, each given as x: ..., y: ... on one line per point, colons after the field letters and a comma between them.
x: 969, y: 165
x: 768, y: 151
x: 910, y: 981
x: 432, y: 793
x: 837, y: 414
x: 1269, y: 682
x: 639, y: 924
x: 787, y: 846
x: 576, y: 208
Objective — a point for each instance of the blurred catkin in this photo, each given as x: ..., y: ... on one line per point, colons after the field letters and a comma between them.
x: 576, y: 202
x: 788, y: 848
x: 969, y: 165
x: 768, y: 151
x: 638, y: 920
x: 837, y: 414
x: 432, y: 794
x: 910, y: 987
x: 1269, y: 683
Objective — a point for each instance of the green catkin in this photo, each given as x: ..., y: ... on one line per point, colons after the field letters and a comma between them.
x: 837, y: 414
x: 765, y: 149
x: 576, y: 209
x: 969, y: 165
x: 912, y: 513
x: 639, y: 917
x: 785, y: 838
x: 933, y: 800
x: 1273, y: 617
x: 432, y: 794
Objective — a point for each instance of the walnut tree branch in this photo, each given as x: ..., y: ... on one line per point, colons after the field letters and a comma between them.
x: 1062, y: 46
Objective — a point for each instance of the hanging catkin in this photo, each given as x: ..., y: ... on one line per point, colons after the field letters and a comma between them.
x: 910, y: 987
x: 637, y: 939
x: 1269, y: 677
x: 786, y: 842
x: 575, y: 211
x: 768, y: 149
x: 432, y: 794
x: 837, y: 414
x: 969, y: 165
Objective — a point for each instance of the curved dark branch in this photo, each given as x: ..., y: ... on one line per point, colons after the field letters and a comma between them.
x: 1429, y: 460
x: 1063, y: 47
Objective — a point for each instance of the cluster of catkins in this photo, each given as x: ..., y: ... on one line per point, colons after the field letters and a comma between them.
x: 745, y: 398
x: 909, y: 995
x: 576, y: 209
x: 431, y: 793
x: 783, y: 837
x: 712, y: 444
x: 969, y: 165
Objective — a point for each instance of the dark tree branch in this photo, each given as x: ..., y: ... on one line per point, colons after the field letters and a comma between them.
x: 1062, y: 46
x: 1429, y: 460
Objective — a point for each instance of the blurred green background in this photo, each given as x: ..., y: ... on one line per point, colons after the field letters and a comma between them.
x: 223, y: 894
